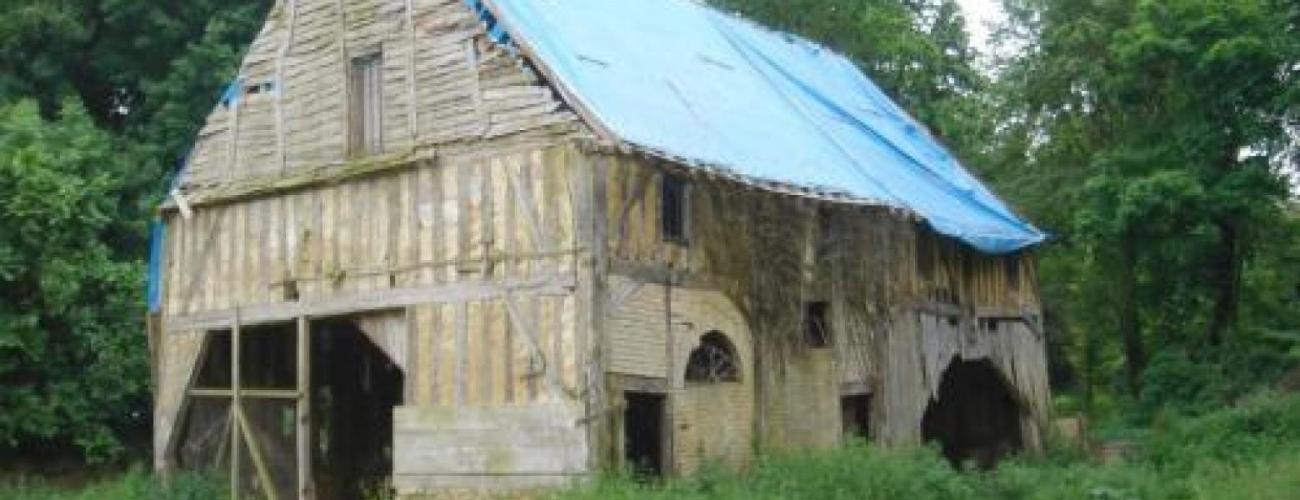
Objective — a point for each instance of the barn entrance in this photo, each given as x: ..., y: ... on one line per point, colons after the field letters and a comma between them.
x: 976, y: 419
x: 354, y: 388
x: 643, y: 433
x: 290, y: 410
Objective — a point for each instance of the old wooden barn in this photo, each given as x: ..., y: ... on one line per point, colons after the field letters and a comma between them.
x: 494, y: 244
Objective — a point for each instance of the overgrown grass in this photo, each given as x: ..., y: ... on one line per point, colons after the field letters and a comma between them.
x: 1250, y: 451
x: 136, y: 484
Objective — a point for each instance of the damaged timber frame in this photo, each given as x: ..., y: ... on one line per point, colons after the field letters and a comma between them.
x: 403, y: 256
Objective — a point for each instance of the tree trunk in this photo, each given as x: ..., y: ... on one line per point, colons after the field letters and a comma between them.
x: 1225, y: 269
x: 1134, y: 351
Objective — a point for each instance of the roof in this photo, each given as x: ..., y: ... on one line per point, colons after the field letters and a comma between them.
x: 679, y: 78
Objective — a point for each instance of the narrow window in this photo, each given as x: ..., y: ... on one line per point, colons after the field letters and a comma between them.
x: 816, y: 328
x: 366, y: 104
x: 672, y: 209
x: 1011, y: 266
x: 825, y: 234
x: 925, y: 250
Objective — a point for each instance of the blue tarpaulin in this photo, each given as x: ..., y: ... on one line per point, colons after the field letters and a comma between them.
x: 680, y: 78
x: 153, y: 289
x: 158, y: 237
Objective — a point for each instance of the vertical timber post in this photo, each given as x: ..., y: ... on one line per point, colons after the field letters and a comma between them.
x: 234, y: 407
x: 303, y: 434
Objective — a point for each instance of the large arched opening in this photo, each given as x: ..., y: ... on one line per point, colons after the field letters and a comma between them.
x: 976, y: 420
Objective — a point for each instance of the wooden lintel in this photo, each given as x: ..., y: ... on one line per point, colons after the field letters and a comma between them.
x: 638, y: 383
x: 855, y: 388
x: 954, y: 311
x: 283, y: 312
x: 245, y: 393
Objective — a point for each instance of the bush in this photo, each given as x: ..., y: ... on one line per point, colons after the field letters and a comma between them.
x: 1250, y: 450
x: 1180, y: 382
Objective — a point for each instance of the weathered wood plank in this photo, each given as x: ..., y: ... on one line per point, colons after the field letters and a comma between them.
x: 348, y: 303
x: 503, y: 440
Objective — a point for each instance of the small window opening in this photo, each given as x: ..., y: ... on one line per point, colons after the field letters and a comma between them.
x: 816, y: 327
x: 291, y: 292
x: 366, y: 104
x: 258, y: 88
x: 713, y: 361
x: 672, y: 209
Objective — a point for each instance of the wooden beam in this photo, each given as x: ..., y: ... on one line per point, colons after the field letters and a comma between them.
x: 234, y: 406
x: 285, y: 43
x: 303, y: 434
x: 192, y: 375
x: 520, y: 327
x: 255, y: 453
x: 374, y: 300
x: 199, y: 272
x: 245, y: 393
x: 524, y: 200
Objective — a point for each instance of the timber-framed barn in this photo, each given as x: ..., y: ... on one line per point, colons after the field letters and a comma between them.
x: 441, y: 245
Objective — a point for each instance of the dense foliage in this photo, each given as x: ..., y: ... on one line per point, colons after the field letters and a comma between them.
x: 97, y: 100
x: 1152, y: 138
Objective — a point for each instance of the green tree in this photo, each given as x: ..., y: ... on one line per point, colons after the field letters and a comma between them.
x: 98, y: 100
x: 71, y: 359
x: 1152, y: 128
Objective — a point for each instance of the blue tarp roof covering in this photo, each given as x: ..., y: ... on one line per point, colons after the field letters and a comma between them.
x: 683, y: 79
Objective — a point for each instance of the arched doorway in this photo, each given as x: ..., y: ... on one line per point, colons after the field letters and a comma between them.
x: 976, y: 418
x: 355, y: 387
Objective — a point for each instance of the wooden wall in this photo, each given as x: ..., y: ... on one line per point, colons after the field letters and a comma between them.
x: 443, y: 82
x: 769, y: 254
x: 475, y: 256
x: 505, y: 217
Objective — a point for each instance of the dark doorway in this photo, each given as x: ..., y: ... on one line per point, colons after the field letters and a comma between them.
x: 856, y: 413
x: 975, y: 420
x: 643, y: 437
x: 354, y: 388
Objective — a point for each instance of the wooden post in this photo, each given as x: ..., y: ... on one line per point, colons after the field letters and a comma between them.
x: 304, y: 409
x: 234, y: 407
